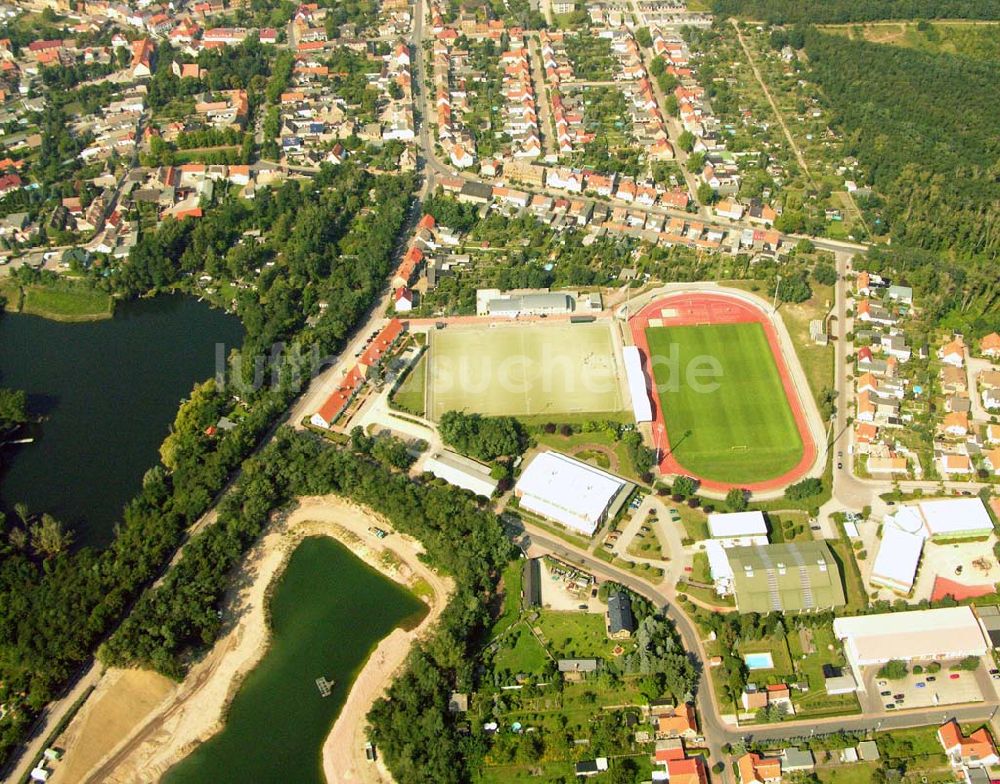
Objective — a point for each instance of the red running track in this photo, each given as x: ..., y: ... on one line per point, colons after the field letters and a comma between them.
x: 693, y: 308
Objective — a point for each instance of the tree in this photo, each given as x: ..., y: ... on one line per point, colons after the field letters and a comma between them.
x: 48, y: 538
x: 686, y: 141
x: 825, y: 274
x: 893, y: 670
x: 484, y: 438
x: 684, y: 486
x: 706, y: 193
x: 807, y: 488
x: 736, y: 499
x: 13, y: 407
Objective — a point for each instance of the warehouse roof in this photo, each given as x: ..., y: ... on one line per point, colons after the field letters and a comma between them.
x: 723, y: 526
x: 911, y: 635
x: 567, y: 491
x: 788, y: 577
x: 462, y: 472
x: 898, y: 556
x: 954, y: 516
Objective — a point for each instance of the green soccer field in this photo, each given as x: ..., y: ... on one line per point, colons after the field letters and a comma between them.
x: 742, y: 430
x: 524, y: 370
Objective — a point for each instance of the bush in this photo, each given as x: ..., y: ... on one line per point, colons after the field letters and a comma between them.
x: 694, y: 503
x: 894, y: 670
x: 804, y: 489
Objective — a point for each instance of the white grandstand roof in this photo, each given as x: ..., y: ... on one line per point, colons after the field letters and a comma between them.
x: 948, y: 632
x: 898, y: 556
x: 567, y: 491
x: 947, y: 516
x: 726, y: 525
x: 637, y: 385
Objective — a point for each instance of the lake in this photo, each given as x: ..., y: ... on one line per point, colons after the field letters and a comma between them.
x: 328, y: 612
x: 109, y: 391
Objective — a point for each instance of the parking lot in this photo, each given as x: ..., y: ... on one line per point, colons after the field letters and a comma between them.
x: 926, y: 689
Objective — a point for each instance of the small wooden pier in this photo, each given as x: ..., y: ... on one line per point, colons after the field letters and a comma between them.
x: 325, y: 687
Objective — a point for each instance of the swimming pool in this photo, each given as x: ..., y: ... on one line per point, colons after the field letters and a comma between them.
x: 759, y: 661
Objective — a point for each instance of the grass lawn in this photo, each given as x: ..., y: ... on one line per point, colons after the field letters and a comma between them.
x: 67, y: 304
x: 410, y: 395
x: 739, y: 426
x: 525, y: 370
x: 854, y: 587
x: 816, y: 361
x: 700, y: 571
x: 790, y: 526
x: 10, y: 291
x: 574, y: 635
x: 646, y: 545
x: 857, y: 773
x: 520, y: 652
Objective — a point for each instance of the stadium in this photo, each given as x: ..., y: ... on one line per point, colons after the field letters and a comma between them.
x: 725, y: 409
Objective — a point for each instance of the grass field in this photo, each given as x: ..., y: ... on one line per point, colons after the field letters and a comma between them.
x: 524, y: 370
x: 738, y: 429
x: 67, y: 304
x: 410, y: 395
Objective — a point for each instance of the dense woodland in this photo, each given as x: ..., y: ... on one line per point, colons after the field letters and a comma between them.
x: 925, y: 132
x: 836, y: 11
x: 333, y: 238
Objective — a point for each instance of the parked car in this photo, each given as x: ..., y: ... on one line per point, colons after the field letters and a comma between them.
x: 954, y: 676
x: 816, y: 528
x: 885, y: 694
x: 883, y: 683
x: 921, y: 685
x: 839, y: 465
x: 583, y: 606
x: 898, y: 697
x: 891, y: 706
x: 931, y: 678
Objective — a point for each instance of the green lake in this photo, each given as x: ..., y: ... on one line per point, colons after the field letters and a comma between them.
x: 109, y: 391
x: 328, y: 612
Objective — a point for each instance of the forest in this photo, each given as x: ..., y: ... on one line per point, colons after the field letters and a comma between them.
x: 334, y: 236
x: 925, y: 134
x: 839, y: 11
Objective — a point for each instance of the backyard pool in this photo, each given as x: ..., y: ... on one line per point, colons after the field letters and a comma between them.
x: 759, y: 661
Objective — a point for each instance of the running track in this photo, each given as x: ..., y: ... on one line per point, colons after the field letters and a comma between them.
x: 689, y: 308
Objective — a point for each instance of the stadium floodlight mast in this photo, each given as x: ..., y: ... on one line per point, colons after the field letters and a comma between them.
x: 774, y: 303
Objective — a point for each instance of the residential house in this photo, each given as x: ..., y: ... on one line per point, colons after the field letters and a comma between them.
x: 989, y: 346
x: 755, y: 769
x: 953, y: 353
x: 621, y: 622
x: 975, y: 750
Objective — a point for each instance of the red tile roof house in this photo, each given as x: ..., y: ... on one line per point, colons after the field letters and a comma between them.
x: 975, y: 750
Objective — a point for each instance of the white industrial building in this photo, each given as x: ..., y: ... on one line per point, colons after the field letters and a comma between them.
x: 738, y: 529
x: 567, y: 491
x: 956, y: 518
x: 917, y: 635
x: 462, y: 472
x: 493, y: 302
x: 719, y: 568
x: 641, y: 406
x: 899, y: 553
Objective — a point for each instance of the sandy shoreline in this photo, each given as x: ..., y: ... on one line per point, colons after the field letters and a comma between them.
x: 195, y: 708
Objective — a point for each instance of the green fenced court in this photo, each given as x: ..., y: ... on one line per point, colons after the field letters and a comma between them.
x: 739, y: 429
x: 524, y: 370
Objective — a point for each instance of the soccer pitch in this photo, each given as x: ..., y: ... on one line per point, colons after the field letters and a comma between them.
x: 524, y: 370
x: 740, y: 429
